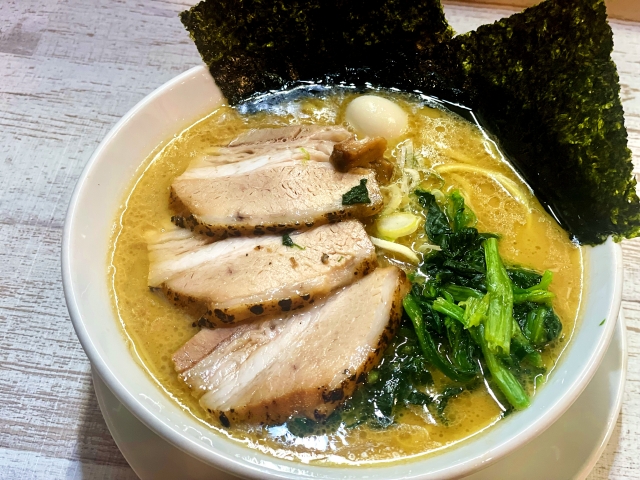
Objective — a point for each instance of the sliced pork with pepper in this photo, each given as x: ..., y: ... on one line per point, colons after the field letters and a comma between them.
x: 302, y: 363
x: 199, y: 346
x: 300, y: 142
x: 271, y: 180
x: 242, y: 278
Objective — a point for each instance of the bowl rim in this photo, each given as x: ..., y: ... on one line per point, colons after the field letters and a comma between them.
x: 244, y: 468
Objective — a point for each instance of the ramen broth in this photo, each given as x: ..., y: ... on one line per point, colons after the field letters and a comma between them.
x: 529, y: 237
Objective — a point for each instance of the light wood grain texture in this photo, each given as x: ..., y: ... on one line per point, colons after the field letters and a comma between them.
x: 618, y: 9
x: 70, y: 69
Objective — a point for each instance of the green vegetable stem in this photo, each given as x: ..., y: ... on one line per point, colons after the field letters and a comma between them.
x: 462, y: 293
x: 506, y: 381
x: 475, y: 310
x: 536, y: 296
x: 499, y: 324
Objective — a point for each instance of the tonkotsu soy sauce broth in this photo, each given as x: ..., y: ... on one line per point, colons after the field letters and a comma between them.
x: 438, y: 137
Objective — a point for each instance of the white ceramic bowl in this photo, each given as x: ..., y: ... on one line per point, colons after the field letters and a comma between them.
x: 90, y: 219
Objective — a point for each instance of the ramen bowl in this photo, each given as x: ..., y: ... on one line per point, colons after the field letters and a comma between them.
x: 96, y: 201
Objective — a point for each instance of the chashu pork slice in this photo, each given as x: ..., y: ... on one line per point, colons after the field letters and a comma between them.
x: 277, y: 185
x: 241, y: 278
x: 199, y: 346
x: 302, y: 363
x: 301, y: 142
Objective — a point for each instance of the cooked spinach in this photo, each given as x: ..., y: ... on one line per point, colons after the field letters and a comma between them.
x: 480, y: 312
x: 358, y: 194
x: 429, y: 347
x: 523, y: 278
x: 461, y: 262
x: 539, y: 323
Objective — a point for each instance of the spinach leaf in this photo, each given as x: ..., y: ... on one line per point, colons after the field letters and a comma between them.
x: 437, y: 225
x: 539, y: 323
x: 459, y: 214
x: 288, y: 242
x: 523, y: 278
x: 358, y: 194
x: 428, y: 345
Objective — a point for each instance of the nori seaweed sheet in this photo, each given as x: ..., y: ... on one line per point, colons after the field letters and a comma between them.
x: 541, y: 81
x: 259, y: 45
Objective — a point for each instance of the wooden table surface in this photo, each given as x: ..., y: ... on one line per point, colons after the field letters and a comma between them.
x: 69, y: 70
